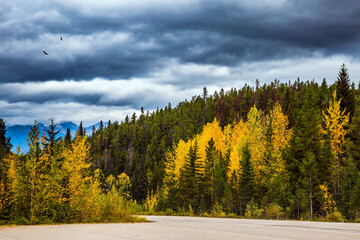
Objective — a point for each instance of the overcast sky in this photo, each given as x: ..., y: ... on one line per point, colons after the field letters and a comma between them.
x: 119, y: 56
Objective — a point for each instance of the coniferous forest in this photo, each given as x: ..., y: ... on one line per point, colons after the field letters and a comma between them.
x: 280, y: 150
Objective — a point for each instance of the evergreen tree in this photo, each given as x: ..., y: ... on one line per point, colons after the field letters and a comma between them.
x: 81, y: 131
x: 5, y: 145
x: 190, y: 178
x: 345, y: 92
x: 51, y: 141
x: 139, y: 183
x: 353, y: 141
x: 67, y: 138
x: 208, y: 174
x: 246, y: 178
x: 33, y: 167
x: 305, y: 157
x: 219, y: 178
x: 5, y: 148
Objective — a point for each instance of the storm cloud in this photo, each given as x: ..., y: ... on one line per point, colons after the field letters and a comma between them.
x: 136, y: 54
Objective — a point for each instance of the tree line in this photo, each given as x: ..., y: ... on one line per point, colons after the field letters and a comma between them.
x: 283, y: 150
x: 54, y: 183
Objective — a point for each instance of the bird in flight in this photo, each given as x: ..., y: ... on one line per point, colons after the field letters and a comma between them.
x: 61, y: 38
x: 45, y: 53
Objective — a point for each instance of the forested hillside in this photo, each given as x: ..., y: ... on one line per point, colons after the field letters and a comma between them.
x: 301, y: 140
x: 281, y: 150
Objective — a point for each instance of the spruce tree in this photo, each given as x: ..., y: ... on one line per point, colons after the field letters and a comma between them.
x: 81, y: 131
x: 190, y: 178
x: 353, y: 142
x: 5, y: 148
x: 246, y: 178
x: 67, y: 138
x: 219, y: 177
x: 345, y: 92
x: 51, y: 139
x: 208, y: 173
x: 5, y: 145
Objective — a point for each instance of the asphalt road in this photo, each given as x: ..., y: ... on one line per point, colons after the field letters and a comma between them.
x: 173, y: 228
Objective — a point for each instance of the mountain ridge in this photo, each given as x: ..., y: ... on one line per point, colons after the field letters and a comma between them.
x: 19, y: 133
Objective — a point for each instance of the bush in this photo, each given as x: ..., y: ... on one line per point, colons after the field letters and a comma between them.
x: 217, y: 211
x: 274, y: 211
x: 333, y: 216
x: 253, y: 210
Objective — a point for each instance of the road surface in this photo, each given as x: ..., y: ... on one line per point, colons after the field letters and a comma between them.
x: 174, y: 228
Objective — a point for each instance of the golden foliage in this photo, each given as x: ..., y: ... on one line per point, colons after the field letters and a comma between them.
x: 77, y: 170
x: 335, y: 123
x: 238, y: 137
x: 256, y: 139
x: 280, y: 137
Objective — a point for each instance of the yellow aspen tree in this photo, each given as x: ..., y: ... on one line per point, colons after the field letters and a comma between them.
x: 175, y: 161
x: 237, y: 137
x: 19, y: 185
x: 274, y: 176
x: 91, y: 210
x: 180, y: 156
x: 6, y: 187
x: 50, y: 194
x: 211, y: 130
x: 76, y: 170
x: 256, y: 140
x: 281, y: 136
x: 332, y: 214
x: 4, y: 197
x: 171, y: 177
x: 335, y: 122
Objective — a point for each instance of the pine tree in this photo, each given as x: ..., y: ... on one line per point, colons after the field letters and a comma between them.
x: 353, y: 140
x: 208, y: 173
x: 5, y: 145
x: 219, y: 178
x: 191, y: 177
x: 81, y: 131
x: 345, y: 92
x: 67, y: 138
x: 306, y: 149
x: 51, y: 141
x: 246, y: 178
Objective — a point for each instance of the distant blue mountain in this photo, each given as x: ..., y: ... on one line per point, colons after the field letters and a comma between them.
x: 19, y: 133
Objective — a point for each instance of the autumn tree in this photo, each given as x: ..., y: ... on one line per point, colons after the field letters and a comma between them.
x: 5, y: 148
x: 275, y: 177
x: 76, y: 171
x: 256, y: 140
x: 336, y: 121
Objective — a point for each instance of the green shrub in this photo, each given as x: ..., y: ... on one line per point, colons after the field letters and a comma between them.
x: 274, y: 211
x: 253, y: 210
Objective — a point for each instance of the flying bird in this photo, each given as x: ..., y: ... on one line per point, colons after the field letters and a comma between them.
x: 45, y: 53
x: 61, y: 38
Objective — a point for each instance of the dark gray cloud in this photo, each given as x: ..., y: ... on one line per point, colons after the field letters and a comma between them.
x: 119, y: 56
x: 223, y: 33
